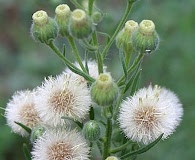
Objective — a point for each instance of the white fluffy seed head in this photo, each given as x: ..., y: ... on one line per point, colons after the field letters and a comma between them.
x: 93, y: 71
x: 149, y: 113
x: 60, y: 144
x: 21, y: 108
x: 62, y: 96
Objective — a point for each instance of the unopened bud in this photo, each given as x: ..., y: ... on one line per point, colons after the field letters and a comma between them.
x: 43, y: 27
x: 145, y: 39
x: 91, y: 130
x: 97, y: 17
x: 104, y: 91
x: 80, y: 25
x: 124, y: 36
x: 62, y: 18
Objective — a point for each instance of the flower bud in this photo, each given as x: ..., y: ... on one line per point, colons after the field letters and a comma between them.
x: 80, y: 25
x: 97, y: 17
x: 37, y: 132
x: 43, y: 27
x: 124, y: 36
x: 145, y: 38
x: 104, y: 90
x: 62, y: 18
x: 91, y: 130
x: 112, y: 158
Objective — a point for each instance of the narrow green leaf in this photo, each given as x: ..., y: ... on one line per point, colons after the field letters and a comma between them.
x: 142, y: 150
x: 130, y: 82
x: 64, y: 50
x: 26, y: 152
x: 91, y: 113
x: 27, y: 129
x: 135, y: 83
x: 122, y: 59
x: 76, y: 122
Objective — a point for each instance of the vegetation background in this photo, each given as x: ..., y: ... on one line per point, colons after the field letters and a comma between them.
x: 24, y: 63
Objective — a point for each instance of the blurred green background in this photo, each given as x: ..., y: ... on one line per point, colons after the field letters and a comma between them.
x: 24, y: 63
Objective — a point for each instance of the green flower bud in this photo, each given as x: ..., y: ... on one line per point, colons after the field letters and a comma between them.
x: 145, y: 39
x: 91, y: 130
x: 62, y: 18
x: 124, y: 36
x: 37, y: 132
x: 104, y: 90
x: 112, y: 158
x: 80, y: 25
x: 97, y: 17
x: 43, y: 27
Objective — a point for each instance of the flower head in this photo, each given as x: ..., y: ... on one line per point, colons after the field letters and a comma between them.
x: 60, y: 145
x: 149, y: 113
x: 21, y: 109
x: 62, y: 96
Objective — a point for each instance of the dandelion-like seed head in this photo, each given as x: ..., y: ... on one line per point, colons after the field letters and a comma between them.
x: 60, y: 144
x: 21, y: 108
x: 62, y: 96
x: 149, y: 113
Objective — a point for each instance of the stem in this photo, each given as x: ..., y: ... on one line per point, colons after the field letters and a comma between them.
x: 76, y: 53
x: 90, y: 7
x: 107, y: 143
x: 139, y: 58
x: 77, y: 5
x: 127, y: 11
x: 68, y: 63
x: 127, y: 59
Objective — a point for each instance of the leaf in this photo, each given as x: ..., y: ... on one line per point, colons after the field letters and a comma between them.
x: 91, y: 113
x: 135, y: 83
x: 64, y: 50
x: 143, y: 149
x: 71, y: 119
x: 121, y: 55
x: 26, y: 152
x: 27, y: 129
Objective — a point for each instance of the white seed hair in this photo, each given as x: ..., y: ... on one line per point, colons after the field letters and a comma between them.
x: 60, y: 144
x: 21, y: 108
x: 149, y: 113
x: 62, y: 95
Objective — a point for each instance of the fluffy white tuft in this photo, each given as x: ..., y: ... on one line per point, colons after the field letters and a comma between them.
x: 21, y: 109
x: 60, y: 145
x: 149, y: 113
x: 62, y: 96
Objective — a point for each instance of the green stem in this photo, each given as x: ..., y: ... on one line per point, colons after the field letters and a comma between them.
x: 139, y: 58
x: 68, y: 63
x: 127, y: 59
x: 77, y: 5
x: 127, y: 11
x: 76, y: 53
x: 107, y: 143
x: 90, y: 7
x: 98, y: 55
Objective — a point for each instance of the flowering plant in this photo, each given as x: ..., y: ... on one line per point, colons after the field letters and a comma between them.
x: 83, y: 113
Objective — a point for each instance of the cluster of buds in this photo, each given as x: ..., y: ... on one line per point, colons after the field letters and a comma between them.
x: 142, y: 38
x: 66, y: 22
